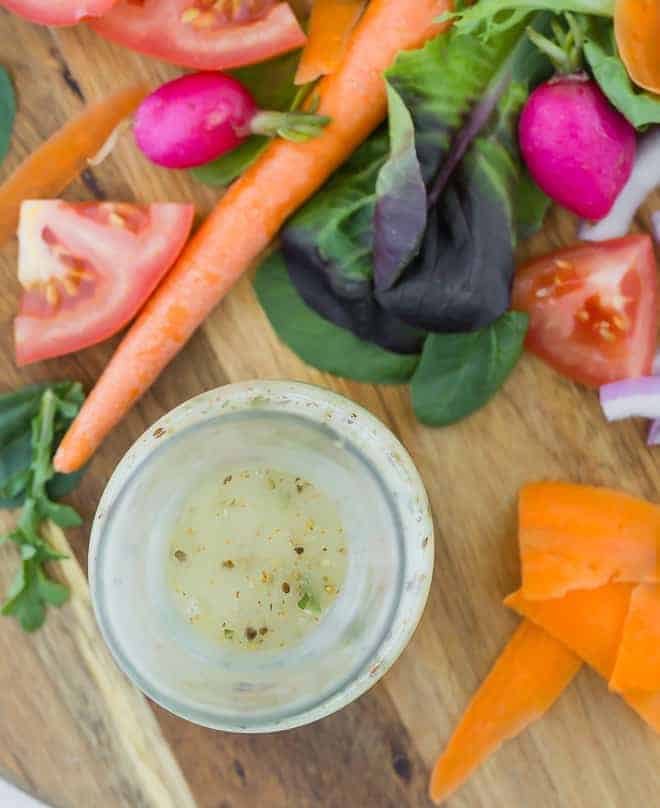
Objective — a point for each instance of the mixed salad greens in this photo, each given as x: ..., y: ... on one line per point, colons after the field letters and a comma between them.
x: 395, y: 243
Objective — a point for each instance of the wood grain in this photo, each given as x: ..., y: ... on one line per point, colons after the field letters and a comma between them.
x: 590, y: 752
x: 75, y: 731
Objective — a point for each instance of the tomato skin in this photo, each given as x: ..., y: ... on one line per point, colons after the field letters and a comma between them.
x: 58, y: 12
x: 87, y: 268
x: 156, y: 27
x: 592, y: 309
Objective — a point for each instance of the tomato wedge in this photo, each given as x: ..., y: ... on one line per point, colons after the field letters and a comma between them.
x: 87, y: 268
x: 57, y: 12
x: 204, y: 34
x: 592, y: 309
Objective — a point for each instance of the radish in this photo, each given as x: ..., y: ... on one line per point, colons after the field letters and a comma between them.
x: 578, y: 148
x: 196, y: 118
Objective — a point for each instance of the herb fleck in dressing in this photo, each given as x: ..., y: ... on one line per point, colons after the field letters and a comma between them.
x: 256, y: 558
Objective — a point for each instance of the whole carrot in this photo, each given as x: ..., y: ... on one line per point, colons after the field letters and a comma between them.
x: 55, y: 164
x: 249, y: 216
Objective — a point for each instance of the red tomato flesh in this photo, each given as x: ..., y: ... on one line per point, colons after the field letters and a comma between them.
x: 87, y: 268
x: 57, y: 12
x: 204, y: 34
x: 592, y: 309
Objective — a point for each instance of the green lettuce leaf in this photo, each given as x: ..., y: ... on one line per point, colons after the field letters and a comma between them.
x: 491, y: 18
x: 319, y: 342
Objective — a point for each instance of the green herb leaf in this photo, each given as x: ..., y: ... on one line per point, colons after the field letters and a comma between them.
x: 459, y: 373
x: 309, y: 602
x: 17, y: 411
x: 319, y: 342
x: 35, y: 419
x: 639, y: 107
x: 7, y: 112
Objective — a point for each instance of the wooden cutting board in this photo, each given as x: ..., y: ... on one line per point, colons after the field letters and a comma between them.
x: 63, y: 729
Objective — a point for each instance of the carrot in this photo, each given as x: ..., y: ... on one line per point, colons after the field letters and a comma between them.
x: 590, y: 623
x: 55, y: 164
x: 580, y: 537
x: 330, y: 27
x: 532, y: 672
x: 637, y: 32
x: 638, y: 661
x: 249, y: 216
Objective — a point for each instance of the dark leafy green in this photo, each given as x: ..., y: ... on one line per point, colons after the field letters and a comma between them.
x: 319, y: 342
x: 460, y: 278
x: 7, y: 112
x: 271, y: 85
x: 328, y: 248
x: 400, y: 213
x: 17, y: 411
x: 639, y: 107
x: 27, y: 477
x: 459, y: 373
x: 530, y: 207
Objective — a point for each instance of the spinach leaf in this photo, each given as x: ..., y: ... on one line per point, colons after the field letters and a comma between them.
x: 639, y: 107
x: 7, y: 112
x: 271, y: 85
x: 221, y: 172
x: 530, y: 206
x: 459, y: 373
x: 400, y: 212
x: 319, y: 342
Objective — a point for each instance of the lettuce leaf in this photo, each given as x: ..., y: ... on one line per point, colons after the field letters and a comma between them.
x: 466, y: 146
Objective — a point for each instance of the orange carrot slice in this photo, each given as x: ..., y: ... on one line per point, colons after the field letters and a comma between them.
x: 330, y: 26
x: 638, y: 661
x: 637, y: 31
x: 581, y: 537
x: 590, y: 623
x: 55, y: 164
x: 532, y: 672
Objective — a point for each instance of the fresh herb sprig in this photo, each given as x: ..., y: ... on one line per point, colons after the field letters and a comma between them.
x: 31, y: 424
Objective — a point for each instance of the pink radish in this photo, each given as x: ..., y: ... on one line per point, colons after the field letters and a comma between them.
x: 578, y: 148
x: 198, y: 117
